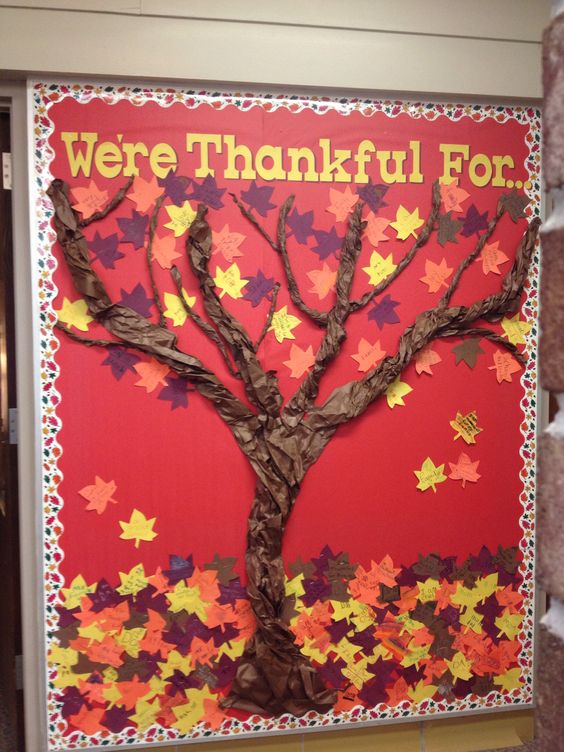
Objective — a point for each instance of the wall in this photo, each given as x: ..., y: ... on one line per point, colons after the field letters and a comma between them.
x: 476, y: 50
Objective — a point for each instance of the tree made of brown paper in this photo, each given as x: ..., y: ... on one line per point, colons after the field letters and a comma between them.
x: 282, y: 441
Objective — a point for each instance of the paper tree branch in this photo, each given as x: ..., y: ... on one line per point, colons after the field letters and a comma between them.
x: 273, y: 675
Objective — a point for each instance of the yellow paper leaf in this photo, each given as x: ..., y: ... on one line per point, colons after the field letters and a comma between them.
x: 174, y: 308
x: 466, y: 427
x: 189, y: 714
x: 145, y: 714
x: 406, y: 222
x: 515, y: 329
x: 181, y: 217
x: 74, y: 314
x: 459, y: 666
x: 309, y: 648
x: 429, y: 475
x: 472, y: 620
x: 175, y: 661
x: 486, y: 586
x: 133, y: 581
x: 283, y: 324
x: 129, y: 640
x: 509, y: 680
x: 428, y: 589
x: 92, y: 632
x: 396, y: 391
x: 509, y: 624
x: 357, y: 674
x: 229, y: 281
x: 184, y: 598
x: 379, y: 268
x: 139, y: 528
x: 415, y: 655
x: 295, y: 586
x: 63, y: 656
x: 76, y: 590
x: 421, y: 691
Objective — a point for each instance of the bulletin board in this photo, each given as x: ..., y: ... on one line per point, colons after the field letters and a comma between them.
x: 288, y: 403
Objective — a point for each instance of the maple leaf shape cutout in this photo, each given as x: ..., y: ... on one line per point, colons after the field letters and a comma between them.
x: 515, y: 329
x: 99, y: 495
x: 174, y: 308
x: 152, y: 374
x: 227, y: 243
x: 105, y: 250
x: 139, y: 528
x: 257, y: 288
x: 379, y: 268
x: 144, y: 193
x: 426, y: 358
x: 74, y: 314
x: 375, y: 227
x: 464, y: 469
x: 368, y: 355
x: 89, y: 200
x: 468, y: 351
x: 327, y: 242
x: 134, y: 229
x: 181, y: 217
x: 429, y: 475
x: 190, y: 712
x: 406, y: 222
x: 164, y: 250
x: 300, y: 225
x: 466, y: 427
x: 88, y: 720
x: 491, y: 258
x: 283, y: 324
x: 300, y: 361
x: 323, y: 281
x: 208, y: 192
x: 514, y: 204
x: 396, y: 391
x: 146, y: 714
x: 473, y: 222
x: 435, y: 275
x: 452, y: 196
x: 213, y: 714
x: 448, y: 228
x: 258, y: 198
x: 229, y: 281
x: 510, y: 680
x: 342, y: 203
x: 504, y: 365
x: 383, y: 312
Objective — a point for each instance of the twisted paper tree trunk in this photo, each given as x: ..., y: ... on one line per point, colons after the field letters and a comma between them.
x: 281, y: 443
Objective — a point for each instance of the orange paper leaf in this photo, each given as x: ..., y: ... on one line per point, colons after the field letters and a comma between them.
x: 436, y: 274
x: 99, y: 495
x: 464, y: 469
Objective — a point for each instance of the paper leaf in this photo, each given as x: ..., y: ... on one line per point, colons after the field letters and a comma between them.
x: 191, y: 712
x: 257, y: 288
x: 133, y: 581
x: 396, y: 391
x: 509, y: 624
x: 429, y: 475
x: 375, y: 227
x: 436, y: 274
x: 146, y: 714
x: 99, y: 495
x: 144, y: 193
x: 105, y: 250
x: 89, y: 200
x: 491, y: 258
x: 74, y: 314
x: 466, y: 427
x: 464, y: 469
x: 426, y: 358
x: 448, y: 228
x: 139, y: 528
x: 342, y: 203
x: 300, y: 361
x: 208, y: 192
x: 301, y: 225
x: 515, y: 329
x: 229, y: 281
x: 373, y: 195
x: 323, y: 280
x: 379, y: 268
x: 514, y: 203
x: 327, y: 243
x: 283, y: 324
x: 504, y: 365
x: 213, y: 714
x: 227, y: 243
x: 76, y: 591
x: 174, y: 308
x: 164, y: 250
x: 383, y: 312
x: 422, y: 691
x: 468, y: 351
x: 175, y: 392
x: 133, y: 229
x: 406, y: 222
x: 460, y: 667
x: 452, y: 196
x: 473, y: 222
x: 152, y: 374
x: 368, y: 355
x: 510, y: 680
x: 258, y: 198
x: 181, y: 217
x: 88, y: 720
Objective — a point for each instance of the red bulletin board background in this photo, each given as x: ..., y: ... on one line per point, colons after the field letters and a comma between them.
x: 182, y: 466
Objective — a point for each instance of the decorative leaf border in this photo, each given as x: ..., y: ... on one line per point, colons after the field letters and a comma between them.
x: 43, y: 95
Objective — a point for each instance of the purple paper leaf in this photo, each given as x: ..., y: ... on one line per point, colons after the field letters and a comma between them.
x: 104, y: 596
x: 315, y: 590
x: 175, y: 187
x: 327, y: 243
x: 105, y: 250
x: 120, y: 361
x: 225, y: 670
x: 138, y: 300
x: 331, y: 674
x: 300, y: 224
x: 134, y: 229
x: 175, y: 392
x: 258, y: 198
x: 473, y: 222
x: 339, y: 629
x: 232, y: 592
x: 372, y: 693
x: 373, y: 195
x: 180, y: 569
x: 257, y: 288
x: 383, y: 312
x: 207, y: 193
x: 72, y: 702
x: 365, y: 640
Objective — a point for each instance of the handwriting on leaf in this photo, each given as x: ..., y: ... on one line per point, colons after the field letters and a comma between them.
x: 164, y: 250
x: 425, y: 359
x: 139, y: 528
x: 152, y: 374
x: 504, y: 365
x: 452, y: 196
x: 75, y: 591
x: 396, y: 391
x: 368, y: 354
x: 229, y: 281
x: 466, y: 426
x: 89, y: 200
x: 174, y: 307
x: 283, y: 324
x: 74, y: 314
x: 406, y: 222
x: 300, y: 361
x: 144, y: 193
x: 323, y: 280
x: 99, y: 495
x: 379, y: 268
x: 429, y: 475
x: 515, y: 329
x: 342, y: 202
x: 491, y: 258
x: 181, y: 217
x: 375, y: 227
x: 436, y: 275
x: 227, y: 243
